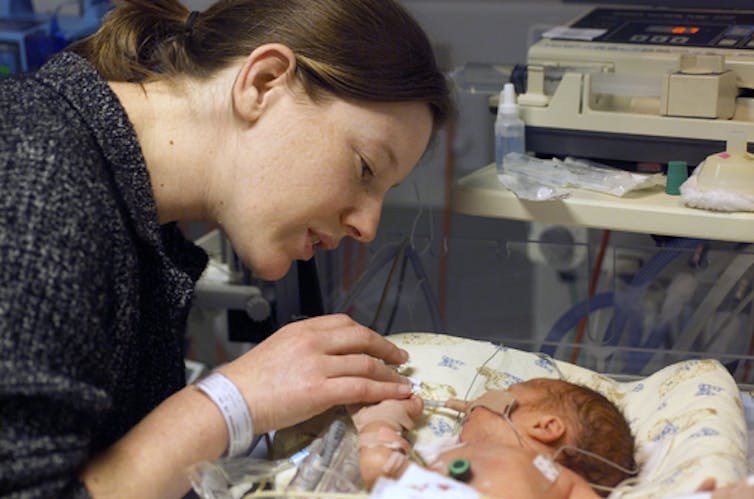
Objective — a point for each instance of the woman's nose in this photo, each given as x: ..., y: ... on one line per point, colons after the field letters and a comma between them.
x: 361, y: 223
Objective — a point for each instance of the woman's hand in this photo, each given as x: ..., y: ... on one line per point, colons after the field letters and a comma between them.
x: 306, y: 367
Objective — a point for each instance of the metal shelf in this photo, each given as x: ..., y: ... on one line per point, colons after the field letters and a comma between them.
x: 650, y: 212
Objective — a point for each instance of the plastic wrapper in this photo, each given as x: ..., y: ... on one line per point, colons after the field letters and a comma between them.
x: 329, y: 464
x: 235, y: 477
x: 332, y: 464
x: 545, y: 180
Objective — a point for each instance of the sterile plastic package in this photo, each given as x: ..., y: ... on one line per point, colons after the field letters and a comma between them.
x: 329, y: 464
x: 332, y: 464
x: 547, y: 179
x: 235, y: 477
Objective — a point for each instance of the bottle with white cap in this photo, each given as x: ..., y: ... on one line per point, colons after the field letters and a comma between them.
x: 509, y: 128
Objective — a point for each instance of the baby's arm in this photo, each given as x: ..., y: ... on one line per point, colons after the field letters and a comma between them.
x: 382, y: 447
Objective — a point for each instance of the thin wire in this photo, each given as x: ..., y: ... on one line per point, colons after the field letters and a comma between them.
x: 459, y: 417
x: 524, y: 443
x: 498, y: 348
x: 599, y: 458
x: 398, y: 293
x: 398, y: 257
x: 551, y: 361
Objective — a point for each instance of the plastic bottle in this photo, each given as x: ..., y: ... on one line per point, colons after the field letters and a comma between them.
x: 509, y: 128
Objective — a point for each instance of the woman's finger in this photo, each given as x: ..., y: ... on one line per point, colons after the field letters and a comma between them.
x: 352, y: 337
x: 351, y: 390
x: 361, y: 365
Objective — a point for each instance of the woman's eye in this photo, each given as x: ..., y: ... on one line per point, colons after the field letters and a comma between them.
x: 366, y: 171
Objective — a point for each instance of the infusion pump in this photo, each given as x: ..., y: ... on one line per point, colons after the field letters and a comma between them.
x: 641, y: 84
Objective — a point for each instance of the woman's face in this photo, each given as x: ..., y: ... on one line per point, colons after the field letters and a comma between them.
x: 308, y: 174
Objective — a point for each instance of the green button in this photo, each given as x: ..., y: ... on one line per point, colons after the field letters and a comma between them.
x: 460, y: 469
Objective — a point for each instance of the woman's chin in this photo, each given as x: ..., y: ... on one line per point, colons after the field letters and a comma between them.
x: 273, y: 273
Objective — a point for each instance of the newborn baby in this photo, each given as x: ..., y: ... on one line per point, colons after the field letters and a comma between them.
x: 505, y: 430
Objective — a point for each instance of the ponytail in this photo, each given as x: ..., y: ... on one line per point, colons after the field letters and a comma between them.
x: 369, y: 50
x: 136, y: 37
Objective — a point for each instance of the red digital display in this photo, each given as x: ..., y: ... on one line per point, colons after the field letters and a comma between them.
x: 684, y: 30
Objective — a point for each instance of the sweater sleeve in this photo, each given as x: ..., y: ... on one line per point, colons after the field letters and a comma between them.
x: 57, y: 362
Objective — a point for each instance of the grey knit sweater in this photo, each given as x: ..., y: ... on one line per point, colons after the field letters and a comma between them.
x: 94, y: 294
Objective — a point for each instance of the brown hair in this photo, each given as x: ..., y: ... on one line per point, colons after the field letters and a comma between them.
x: 369, y: 50
x: 595, y: 425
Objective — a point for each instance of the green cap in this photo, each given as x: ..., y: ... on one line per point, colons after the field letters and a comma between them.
x: 678, y: 172
x: 460, y: 469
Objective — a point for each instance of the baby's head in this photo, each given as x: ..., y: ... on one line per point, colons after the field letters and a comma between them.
x: 550, y: 414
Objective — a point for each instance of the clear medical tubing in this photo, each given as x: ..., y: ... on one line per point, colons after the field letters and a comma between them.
x: 571, y: 318
x: 624, y: 316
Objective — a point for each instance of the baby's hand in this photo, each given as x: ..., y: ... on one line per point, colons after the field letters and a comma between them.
x: 398, y: 414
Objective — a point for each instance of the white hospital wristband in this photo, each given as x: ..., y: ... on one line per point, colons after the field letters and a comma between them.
x: 232, y: 405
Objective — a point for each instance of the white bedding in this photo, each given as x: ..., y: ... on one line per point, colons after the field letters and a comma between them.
x: 687, y: 418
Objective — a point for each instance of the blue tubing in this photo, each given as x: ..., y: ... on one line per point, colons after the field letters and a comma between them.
x: 571, y: 318
x: 625, y: 318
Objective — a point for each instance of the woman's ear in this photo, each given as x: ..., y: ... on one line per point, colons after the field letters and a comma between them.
x: 266, y: 72
x: 545, y: 428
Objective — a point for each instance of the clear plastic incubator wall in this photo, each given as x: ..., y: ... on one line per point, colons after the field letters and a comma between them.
x: 639, y: 89
x: 622, y: 284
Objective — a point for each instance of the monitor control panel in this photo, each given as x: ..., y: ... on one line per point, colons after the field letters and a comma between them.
x: 668, y: 27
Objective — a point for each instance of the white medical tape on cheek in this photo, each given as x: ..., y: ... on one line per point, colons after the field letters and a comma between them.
x: 226, y: 396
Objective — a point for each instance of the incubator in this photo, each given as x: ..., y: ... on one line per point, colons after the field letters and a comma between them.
x: 637, y: 89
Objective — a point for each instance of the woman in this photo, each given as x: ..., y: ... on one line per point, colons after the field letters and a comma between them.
x: 282, y: 121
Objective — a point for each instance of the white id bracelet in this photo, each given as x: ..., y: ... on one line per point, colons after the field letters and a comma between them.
x: 233, y: 407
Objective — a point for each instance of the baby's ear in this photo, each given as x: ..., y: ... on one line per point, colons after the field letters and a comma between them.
x: 546, y: 428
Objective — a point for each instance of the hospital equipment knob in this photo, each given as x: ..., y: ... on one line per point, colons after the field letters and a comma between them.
x: 257, y: 308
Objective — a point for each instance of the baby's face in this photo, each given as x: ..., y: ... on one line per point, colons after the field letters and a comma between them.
x: 485, y: 421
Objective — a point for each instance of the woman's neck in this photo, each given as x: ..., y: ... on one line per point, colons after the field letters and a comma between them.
x: 180, y: 127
